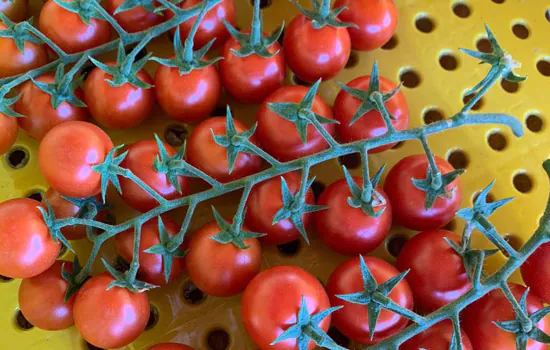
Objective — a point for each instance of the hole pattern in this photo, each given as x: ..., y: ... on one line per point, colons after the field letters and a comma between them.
x: 520, y: 31
x: 338, y: 337
x: 153, y: 317
x: 425, y: 24
x: 350, y: 161
x: 410, y: 78
x: 353, y: 60
x: 462, y: 10
x: 543, y: 66
x: 176, y: 134
x: 497, y: 141
x: 395, y: 243
x: 523, y: 182
x: 490, y: 197
x: 498, y: 1
x: 317, y: 187
x: 36, y: 195
x: 22, y: 322
x: 534, y: 123
x: 4, y: 279
x: 218, y: 339
x: 509, y: 86
x: 458, y: 159
x: 391, y: 44
x: 290, y: 249
x: 547, y: 15
x: 263, y: 3
x: 484, y: 45
x: 299, y: 81
x: 432, y: 115
x: 17, y: 158
x: 448, y: 61
x: 477, y: 105
x: 193, y: 295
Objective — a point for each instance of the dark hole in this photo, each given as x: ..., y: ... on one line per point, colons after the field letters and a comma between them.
x: 176, y: 134
x: 395, y: 244
x: 514, y: 241
x: 484, y: 45
x: 489, y: 199
x: 534, y: 123
x: 120, y: 264
x: 5, y: 279
x: 218, y: 339
x: 62, y: 251
x: 36, y: 195
x: 352, y: 60
x: 351, y: 161
x: 509, y: 86
x: 547, y: 14
x: 92, y: 347
x: 520, y: 31
x: 192, y: 294
x: 476, y: 105
x: 282, y: 37
x: 238, y: 28
x: 410, y: 78
x: 142, y: 53
x: 432, y: 116
x: 398, y: 145
x: 219, y: 111
x: 86, y: 70
x: 461, y: 10
x: 153, y: 317
x: 451, y: 226
x: 17, y: 158
x: 498, y: 1
x: 317, y: 187
x: 448, y: 61
x: 523, y: 183
x: 391, y: 44
x: 22, y: 322
x: 458, y: 159
x: 338, y: 337
x: 543, y: 67
x: 263, y: 3
x: 290, y: 249
x: 424, y: 24
x: 299, y: 81
x: 497, y: 141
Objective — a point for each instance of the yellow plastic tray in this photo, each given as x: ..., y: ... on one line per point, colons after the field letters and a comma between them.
x: 427, y: 30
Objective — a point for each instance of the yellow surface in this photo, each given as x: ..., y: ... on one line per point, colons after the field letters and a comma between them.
x: 438, y: 88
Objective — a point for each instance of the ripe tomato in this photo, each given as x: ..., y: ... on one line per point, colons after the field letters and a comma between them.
x: 26, y: 247
x: 478, y: 318
x: 348, y: 230
x: 352, y: 320
x: 251, y: 79
x: 371, y: 124
x: 189, y: 97
x: 264, y: 202
x: 37, y: 107
x: 42, y: 298
x: 279, y: 137
x: 9, y: 133
x: 309, y: 60
x: 170, y: 346
x: 205, y: 154
x: 411, y: 212
x: 437, y: 275
x: 376, y: 21
x: 69, y: 32
x: 271, y: 301
x: 436, y: 337
x: 535, y: 272
x: 13, y: 62
x: 16, y: 10
x: 121, y: 107
x: 151, y: 268
x: 109, y: 318
x: 66, y: 156
x: 134, y: 20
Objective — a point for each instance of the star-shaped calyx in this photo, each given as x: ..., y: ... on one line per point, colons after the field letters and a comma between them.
x: 148, y: 5
x: 18, y: 32
x: 88, y: 207
x: 85, y: 9
x: 233, y: 233
x: 110, y: 169
x: 50, y: 220
x: 63, y: 87
x: 322, y: 15
x: 367, y: 199
x: 6, y: 103
x: 307, y: 329
x: 125, y: 280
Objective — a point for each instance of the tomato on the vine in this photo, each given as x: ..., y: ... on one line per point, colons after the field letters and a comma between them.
x: 536, y: 272
x: 135, y: 19
x: 16, y: 10
x: 14, y: 62
x: 9, y: 133
x: 170, y: 346
x: 437, y: 337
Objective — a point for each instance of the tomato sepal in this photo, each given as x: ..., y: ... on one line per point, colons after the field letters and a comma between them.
x: 73, y: 278
x: 436, y: 186
x: 131, y: 4
x: 19, y: 32
x: 108, y: 169
x: 366, y: 198
x: 322, y: 15
x: 51, y: 222
x: 5, y: 106
x: 233, y: 233
x: 126, y: 280
x: 63, y: 87
x: 85, y: 9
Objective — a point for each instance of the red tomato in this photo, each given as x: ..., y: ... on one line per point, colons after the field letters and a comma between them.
x: 271, y: 302
x: 134, y: 20
x: 371, y: 124
x: 13, y: 62
x: 151, y: 268
x: 309, y: 60
x: 408, y: 201
x: 121, y: 107
x: 37, y: 107
x: 66, y: 156
x: 352, y: 320
x: 189, y: 97
x: 42, y: 299
x: 9, y: 133
x: 170, y: 346
x: 535, y: 272
x: 251, y: 79
x: 348, y: 230
x: 478, y: 318
x: 69, y: 32
x: 279, y: 137
x: 437, y: 275
x: 376, y: 21
x: 16, y: 10
x: 109, y: 318
x: 205, y: 154
x: 26, y: 247
x: 437, y: 337
x: 264, y: 202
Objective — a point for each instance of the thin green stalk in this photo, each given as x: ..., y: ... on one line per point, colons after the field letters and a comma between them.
x: 130, y: 175
x: 85, y: 272
x: 190, y: 41
x: 134, y: 266
x: 378, y: 98
x: 239, y: 215
x: 325, y: 8
x: 261, y: 153
x: 467, y: 235
x: 326, y: 135
x: 436, y: 180
x: 526, y: 323
x: 131, y: 58
x: 390, y: 305
x: 112, y: 21
x: 58, y: 51
x: 367, y: 183
x: 483, y: 90
x: 305, y: 180
x: 67, y: 78
x: 185, y: 226
x: 256, y: 31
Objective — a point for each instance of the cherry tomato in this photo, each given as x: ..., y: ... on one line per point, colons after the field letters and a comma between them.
x: 42, y: 298
x: 66, y: 156
x: 109, y: 318
x: 205, y: 154
x: 352, y: 320
x: 13, y: 62
x: 40, y: 116
x: 535, y: 272
x: 375, y: 19
x: 121, y: 107
x: 371, y: 124
x: 251, y: 79
x: 133, y: 20
x: 26, y: 247
x: 264, y: 202
x: 408, y: 201
x: 437, y: 275
x: 309, y: 60
x: 271, y: 302
x: 16, y: 10
x: 437, y: 337
x: 348, y: 230
x: 219, y: 269
x: 189, y: 97
x: 69, y: 32
x: 170, y: 346
x: 151, y: 268
x: 279, y: 137
x: 9, y: 133
x: 478, y: 318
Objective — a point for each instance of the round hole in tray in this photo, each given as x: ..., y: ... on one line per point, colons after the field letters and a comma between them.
x: 547, y: 15
x: 4, y: 279
x: 509, y: 86
x: 484, y: 45
x: 395, y: 243
x: 317, y: 187
x: 543, y: 66
x: 498, y: 1
x: 88, y: 346
x: 522, y: 182
x: 218, y: 339
x: 490, y: 197
x: 219, y: 111
x: 153, y: 317
x: 448, y: 61
x: 514, y: 241
x: 458, y: 159
x: 410, y: 78
x: 176, y: 134
x: 432, y: 115
x: 263, y: 3
x: 290, y: 249
x: 299, y: 81
x: 477, y: 105
x: 534, y: 122
x: 17, y: 157
x: 36, y: 195
x: 22, y: 322
x: 451, y: 226
x: 192, y: 294
x: 520, y: 30
x: 497, y: 141
x: 350, y: 161
x: 338, y: 337
x: 391, y: 44
x: 353, y: 60
x: 462, y: 10
x: 424, y: 24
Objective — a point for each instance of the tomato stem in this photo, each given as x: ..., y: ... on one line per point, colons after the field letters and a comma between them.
x: 188, y: 52
x: 525, y: 321
x: 256, y: 30
x: 112, y: 21
x: 59, y: 52
x: 134, y: 266
x: 367, y: 183
x: 434, y: 175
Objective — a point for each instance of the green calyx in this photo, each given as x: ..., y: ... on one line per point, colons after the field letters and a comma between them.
x: 366, y: 198
x: 74, y: 284
x: 55, y: 231
x: 233, y: 233
x: 63, y: 88
x: 18, y: 32
x: 85, y: 9
x: 148, y: 5
x: 435, y: 185
x: 126, y: 280
x: 322, y: 15
x: 88, y: 207
x: 109, y: 170
x: 6, y: 109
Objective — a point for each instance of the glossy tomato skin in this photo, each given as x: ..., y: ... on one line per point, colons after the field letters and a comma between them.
x: 13, y: 62
x: 205, y: 154
x: 66, y: 156
x: 120, y: 107
x: 16, y: 10
x: 188, y: 98
x: 42, y: 298
x: 133, y: 20
x: 26, y: 247
x: 352, y: 320
x: 271, y: 302
x: 535, y: 272
x: 408, y: 201
x: 40, y: 116
x: 371, y: 124
x: 437, y: 337
x: 69, y: 32
x: 109, y: 318
x: 306, y: 58
x: 151, y: 268
x: 140, y: 159
x: 9, y: 128
x: 375, y: 19
x: 437, y: 275
x: 279, y: 137
x: 477, y: 320
x: 251, y: 79
x: 170, y: 346
x: 264, y: 202
x: 348, y: 230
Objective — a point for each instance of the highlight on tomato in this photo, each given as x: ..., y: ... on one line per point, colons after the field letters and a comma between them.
x: 14, y: 61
